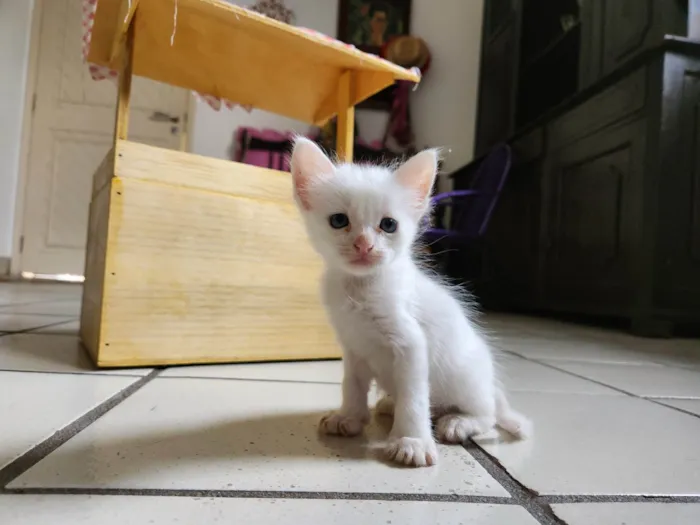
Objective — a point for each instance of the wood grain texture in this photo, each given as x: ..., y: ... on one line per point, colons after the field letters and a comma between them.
x: 198, y: 260
x: 195, y: 276
x: 230, y: 52
x: 345, y: 137
x: 148, y: 163
x: 121, y: 124
x: 127, y: 8
x: 95, y: 257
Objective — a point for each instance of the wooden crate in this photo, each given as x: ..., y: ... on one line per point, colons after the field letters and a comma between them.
x: 198, y: 260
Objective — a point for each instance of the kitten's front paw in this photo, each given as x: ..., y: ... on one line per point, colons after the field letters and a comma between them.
x: 413, y: 452
x: 336, y: 424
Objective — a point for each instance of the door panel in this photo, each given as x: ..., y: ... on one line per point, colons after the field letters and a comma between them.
x: 594, y: 216
x: 72, y: 129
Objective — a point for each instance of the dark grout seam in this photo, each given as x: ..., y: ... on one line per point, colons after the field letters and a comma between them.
x: 251, y: 379
x: 520, y: 494
x: 30, y: 458
x: 69, y: 373
x: 600, y: 383
x: 615, y: 498
x: 270, y: 494
x: 33, y: 329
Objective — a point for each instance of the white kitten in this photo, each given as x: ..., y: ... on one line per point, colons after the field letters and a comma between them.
x: 396, y: 324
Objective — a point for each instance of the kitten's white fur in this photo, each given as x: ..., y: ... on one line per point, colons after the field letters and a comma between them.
x: 396, y: 323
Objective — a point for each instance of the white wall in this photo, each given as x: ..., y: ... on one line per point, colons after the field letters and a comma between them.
x: 443, y: 107
x: 15, y: 25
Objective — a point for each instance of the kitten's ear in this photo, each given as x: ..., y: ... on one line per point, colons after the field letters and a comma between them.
x: 308, y: 163
x: 418, y: 174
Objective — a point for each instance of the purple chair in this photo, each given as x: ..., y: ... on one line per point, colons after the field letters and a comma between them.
x: 472, y: 208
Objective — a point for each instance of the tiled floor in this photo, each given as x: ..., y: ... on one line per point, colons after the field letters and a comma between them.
x: 617, y: 426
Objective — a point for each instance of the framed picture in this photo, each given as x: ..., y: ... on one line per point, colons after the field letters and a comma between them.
x: 368, y: 24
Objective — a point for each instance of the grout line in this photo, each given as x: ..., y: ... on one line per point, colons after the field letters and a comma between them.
x: 65, y: 372
x: 673, y: 398
x: 615, y: 498
x: 268, y: 494
x: 620, y: 390
x: 522, y: 495
x: 30, y: 458
x: 253, y: 379
x: 33, y: 328
x: 538, y: 501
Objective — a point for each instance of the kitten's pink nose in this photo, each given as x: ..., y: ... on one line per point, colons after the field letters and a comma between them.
x: 362, y: 245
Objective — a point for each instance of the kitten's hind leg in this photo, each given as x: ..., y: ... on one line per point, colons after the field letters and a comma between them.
x: 457, y: 428
x: 472, y: 411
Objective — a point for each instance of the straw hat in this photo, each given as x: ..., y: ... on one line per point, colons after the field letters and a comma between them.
x: 407, y: 51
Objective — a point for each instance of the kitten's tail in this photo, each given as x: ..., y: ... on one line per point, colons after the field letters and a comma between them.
x: 509, y: 420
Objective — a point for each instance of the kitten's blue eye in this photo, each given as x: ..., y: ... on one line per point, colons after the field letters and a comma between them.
x: 388, y: 224
x: 338, y: 221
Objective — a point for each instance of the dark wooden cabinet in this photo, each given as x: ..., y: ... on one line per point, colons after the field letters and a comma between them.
x: 601, y: 212
x: 496, y: 118
x: 618, y: 30
x: 593, y: 210
x: 677, y: 240
x: 538, y: 53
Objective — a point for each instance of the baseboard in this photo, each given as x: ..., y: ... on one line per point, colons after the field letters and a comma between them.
x: 5, y: 266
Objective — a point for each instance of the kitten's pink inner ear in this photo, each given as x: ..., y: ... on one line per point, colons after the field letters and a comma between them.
x: 307, y: 164
x: 418, y: 173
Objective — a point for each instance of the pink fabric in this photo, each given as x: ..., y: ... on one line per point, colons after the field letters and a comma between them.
x: 262, y: 158
x: 101, y: 73
x: 375, y: 144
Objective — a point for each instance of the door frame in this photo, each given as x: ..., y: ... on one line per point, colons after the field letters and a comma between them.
x: 26, y: 132
x: 25, y: 141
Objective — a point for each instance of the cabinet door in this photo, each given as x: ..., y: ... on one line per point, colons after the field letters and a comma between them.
x: 677, y: 287
x: 617, y: 30
x: 497, y: 78
x: 594, y: 201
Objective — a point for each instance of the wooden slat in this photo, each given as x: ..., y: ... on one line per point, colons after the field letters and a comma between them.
x: 345, y: 136
x: 230, y: 52
x: 127, y: 8
x: 195, y: 276
x: 149, y: 163
x: 95, y: 257
x: 121, y: 125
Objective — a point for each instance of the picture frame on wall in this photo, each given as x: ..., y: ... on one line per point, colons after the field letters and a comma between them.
x: 368, y: 25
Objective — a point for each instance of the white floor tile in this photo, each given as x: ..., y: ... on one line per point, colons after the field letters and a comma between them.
x: 51, y: 353
x: 602, y: 445
x: 648, y: 380
x: 313, y: 371
x: 629, y: 513
x: 69, y: 328
x: 572, y: 349
x: 691, y: 405
x: 518, y: 374
x: 23, y: 293
x: 68, y: 308
x: 122, y: 510
x: 17, y: 322
x: 34, y: 406
x: 240, y: 435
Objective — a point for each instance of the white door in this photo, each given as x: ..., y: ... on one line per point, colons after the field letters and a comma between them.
x: 71, y: 132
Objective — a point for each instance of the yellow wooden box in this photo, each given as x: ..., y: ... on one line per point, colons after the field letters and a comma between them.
x: 199, y: 260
